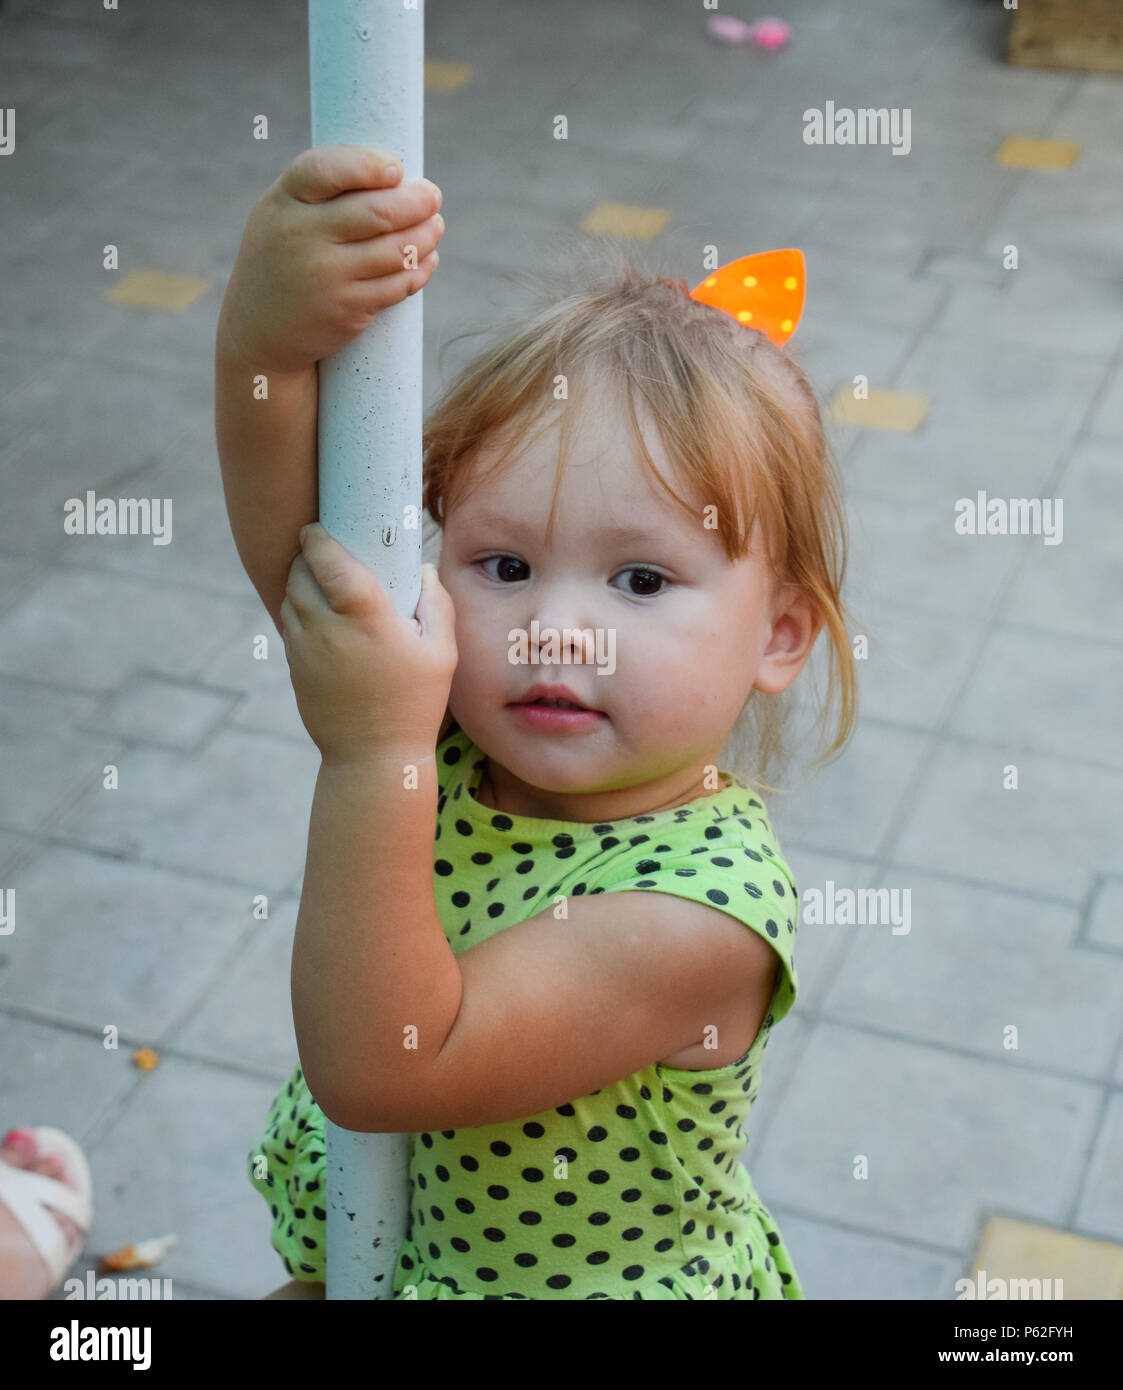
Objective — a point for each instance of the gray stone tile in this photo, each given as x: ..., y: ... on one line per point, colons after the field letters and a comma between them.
x: 833, y: 353
x: 784, y: 1051
x: 945, y: 1139
x: 644, y: 104
x: 58, y: 290
x: 1026, y: 694
x: 551, y: 175
x: 885, y: 47
x: 916, y: 665
x: 247, y: 1016
x: 199, y: 551
x: 838, y: 1264
x: 1076, y: 214
x: 483, y: 243
x: 268, y: 705
x: 46, y: 761
x: 1044, y: 304
x: 237, y: 810
x: 1069, y: 587
x: 28, y: 361
x: 63, y: 12
x: 1022, y: 391
x: 988, y: 99
x: 1053, y: 835
x: 99, y: 942
x: 32, y: 711
x: 88, y: 628
x: 19, y: 576
x: 172, y: 714
x: 885, y: 204
x: 42, y: 176
x: 1093, y: 115
x: 972, y: 965
x: 1100, y: 1212
x: 821, y: 948
x: 15, y: 851
x: 949, y: 270
x: 1105, y: 916
x: 1107, y: 416
x: 184, y: 1120
x: 58, y: 1077
x: 59, y: 448
x: 847, y: 288
x: 70, y: 49
x: 950, y: 460
x: 913, y: 556
x: 850, y: 806
x: 729, y: 218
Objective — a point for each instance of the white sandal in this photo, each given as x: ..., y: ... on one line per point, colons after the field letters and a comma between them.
x: 30, y: 1197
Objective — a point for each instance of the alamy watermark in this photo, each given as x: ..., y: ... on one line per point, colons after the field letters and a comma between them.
x: 867, y: 126
x: 1017, y: 516
x: 121, y: 516
x: 996, y: 1288
x: 831, y: 906
x: 107, y: 1290
x: 552, y: 646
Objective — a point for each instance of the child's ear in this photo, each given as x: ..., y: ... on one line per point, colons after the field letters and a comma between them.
x: 794, y: 633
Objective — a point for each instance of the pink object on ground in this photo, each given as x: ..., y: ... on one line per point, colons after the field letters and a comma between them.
x: 728, y: 29
x: 769, y: 34
x: 30, y: 1197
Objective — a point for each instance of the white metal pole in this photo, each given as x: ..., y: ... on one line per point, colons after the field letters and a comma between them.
x: 367, y: 73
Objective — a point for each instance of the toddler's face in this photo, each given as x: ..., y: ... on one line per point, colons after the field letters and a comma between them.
x: 681, y: 634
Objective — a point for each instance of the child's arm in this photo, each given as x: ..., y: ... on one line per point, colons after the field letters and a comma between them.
x: 322, y: 252
x: 267, y: 450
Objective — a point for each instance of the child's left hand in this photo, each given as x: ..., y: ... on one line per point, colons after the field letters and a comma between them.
x: 368, y: 683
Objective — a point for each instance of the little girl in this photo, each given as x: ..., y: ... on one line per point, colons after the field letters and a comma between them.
x: 641, y: 535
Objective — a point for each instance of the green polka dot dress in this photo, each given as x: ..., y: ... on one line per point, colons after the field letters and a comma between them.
x: 634, y: 1191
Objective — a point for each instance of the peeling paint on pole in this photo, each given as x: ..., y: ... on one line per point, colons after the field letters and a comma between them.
x: 367, y: 77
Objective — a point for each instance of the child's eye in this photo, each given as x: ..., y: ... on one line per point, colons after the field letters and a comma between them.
x: 505, y: 563
x: 644, y: 583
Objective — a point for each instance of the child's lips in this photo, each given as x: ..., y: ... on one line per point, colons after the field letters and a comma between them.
x: 556, y: 717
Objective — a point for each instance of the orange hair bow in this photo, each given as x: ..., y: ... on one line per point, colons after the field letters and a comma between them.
x: 765, y: 292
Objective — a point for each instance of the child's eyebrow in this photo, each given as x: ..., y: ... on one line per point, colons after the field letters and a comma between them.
x: 616, y: 535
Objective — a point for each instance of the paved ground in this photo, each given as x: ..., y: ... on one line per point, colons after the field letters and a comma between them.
x: 134, y: 905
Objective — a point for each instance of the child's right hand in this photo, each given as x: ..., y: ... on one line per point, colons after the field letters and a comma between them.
x: 324, y: 249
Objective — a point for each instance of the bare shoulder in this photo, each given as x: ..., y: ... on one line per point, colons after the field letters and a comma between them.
x: 591, y: 990
x: 750, y: 967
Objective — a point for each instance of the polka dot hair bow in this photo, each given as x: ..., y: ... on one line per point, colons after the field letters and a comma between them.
x: 764, y: 292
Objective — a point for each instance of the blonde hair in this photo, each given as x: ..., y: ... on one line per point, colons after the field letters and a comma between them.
x: 735, y: 412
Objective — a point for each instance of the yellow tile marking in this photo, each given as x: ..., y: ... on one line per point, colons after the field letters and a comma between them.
x: 625, y: 219
x: 156, y: 289
x: 1024, y: 152
x: 446, y: 77
x: 1017, y: 1250
x: 903, y: 411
